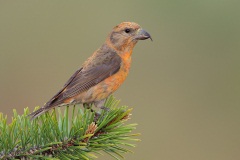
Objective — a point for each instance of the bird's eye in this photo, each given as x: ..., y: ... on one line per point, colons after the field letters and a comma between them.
x: 127, y: 30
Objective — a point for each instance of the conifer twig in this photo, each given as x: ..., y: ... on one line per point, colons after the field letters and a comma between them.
x: 79, y: 135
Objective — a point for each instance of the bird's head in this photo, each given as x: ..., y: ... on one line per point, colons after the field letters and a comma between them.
x: 125, y: 35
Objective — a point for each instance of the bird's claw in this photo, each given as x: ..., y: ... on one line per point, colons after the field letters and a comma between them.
x: 96, y: 116
x: 105, y: 108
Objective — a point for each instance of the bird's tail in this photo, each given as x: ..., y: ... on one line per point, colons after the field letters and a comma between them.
x: 37, y: 113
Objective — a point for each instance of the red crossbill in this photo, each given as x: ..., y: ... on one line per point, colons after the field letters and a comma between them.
x: 102, y: 73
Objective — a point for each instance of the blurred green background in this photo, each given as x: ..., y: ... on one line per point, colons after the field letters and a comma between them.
x: 184, y: 86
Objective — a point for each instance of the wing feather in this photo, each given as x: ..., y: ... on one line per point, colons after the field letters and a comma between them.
x: 90, y: 75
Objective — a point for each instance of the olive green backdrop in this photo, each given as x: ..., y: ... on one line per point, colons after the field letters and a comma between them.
x: 184, y: 86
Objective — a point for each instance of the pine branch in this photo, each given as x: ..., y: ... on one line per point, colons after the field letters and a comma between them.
x: 78, y: 135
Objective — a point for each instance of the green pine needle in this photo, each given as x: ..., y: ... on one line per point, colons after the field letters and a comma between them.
x: 76, y: 134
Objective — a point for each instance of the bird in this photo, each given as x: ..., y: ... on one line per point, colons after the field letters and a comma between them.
x: 102, y: 73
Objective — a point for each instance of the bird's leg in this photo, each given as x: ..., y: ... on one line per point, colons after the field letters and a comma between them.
x: 88, y: 106
x: 96, y: 116
x: 100, y: 104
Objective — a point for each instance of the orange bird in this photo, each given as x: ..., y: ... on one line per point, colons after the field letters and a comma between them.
x: 102, y: 73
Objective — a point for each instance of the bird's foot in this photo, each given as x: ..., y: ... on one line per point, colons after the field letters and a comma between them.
x: 96, y: 116
x: 105, y: 108
x: 99, y: 114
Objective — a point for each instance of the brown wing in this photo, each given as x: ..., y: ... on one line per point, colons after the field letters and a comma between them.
x: 91, y: 74
x: 104, y: 64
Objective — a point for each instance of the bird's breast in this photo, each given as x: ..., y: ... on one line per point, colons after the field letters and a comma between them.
x: 103, y: 89
x: 119, y: 77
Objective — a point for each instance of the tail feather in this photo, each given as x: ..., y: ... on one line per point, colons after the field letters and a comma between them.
x: 37, y: 113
